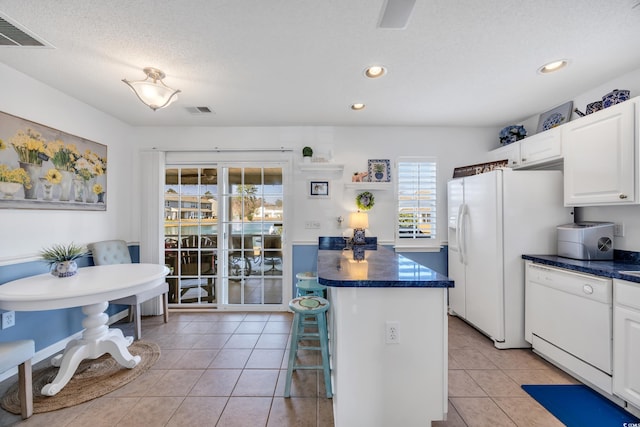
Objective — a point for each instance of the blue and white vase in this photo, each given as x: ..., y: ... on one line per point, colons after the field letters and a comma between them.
x: 65, y: 268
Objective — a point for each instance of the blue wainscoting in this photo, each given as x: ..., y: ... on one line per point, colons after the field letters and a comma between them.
x: 436, y: 261
x: 52, y: 326
x: 48, y: 327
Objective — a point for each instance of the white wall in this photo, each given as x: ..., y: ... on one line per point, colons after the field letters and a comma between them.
x: 350, y: 146
x: 628, y: 215
x: 24, y: 232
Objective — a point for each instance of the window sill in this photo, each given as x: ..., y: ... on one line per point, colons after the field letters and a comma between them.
x: 399, y: 248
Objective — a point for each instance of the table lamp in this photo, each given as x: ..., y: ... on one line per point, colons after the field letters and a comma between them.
x: 359, y: 221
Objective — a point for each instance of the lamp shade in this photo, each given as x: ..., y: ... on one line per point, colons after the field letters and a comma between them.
x: 152, y: 91
x: 359, y: 220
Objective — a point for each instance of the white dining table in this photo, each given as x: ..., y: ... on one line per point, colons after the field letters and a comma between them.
x: 92, y: 289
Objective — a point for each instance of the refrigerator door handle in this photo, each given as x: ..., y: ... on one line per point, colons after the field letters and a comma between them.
x: 463, y: 239
x: 460, y: 237
x: 458, y: 231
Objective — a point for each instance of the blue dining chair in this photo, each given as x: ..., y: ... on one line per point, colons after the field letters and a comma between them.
x: 117, y: 252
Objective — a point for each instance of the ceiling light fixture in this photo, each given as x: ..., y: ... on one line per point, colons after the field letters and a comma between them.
x: 152, y: 91
x: 357, y: 106
x: 375, y: 71
x: 553, y: 66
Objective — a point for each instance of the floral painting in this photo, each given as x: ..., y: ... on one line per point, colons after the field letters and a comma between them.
x: 44, y: 168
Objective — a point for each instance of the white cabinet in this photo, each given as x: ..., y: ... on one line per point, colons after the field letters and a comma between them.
x: 600, y: 157
x: 510, y: 152
x: 534, y: 151
x: 541, y: 148
x: 626, y: 341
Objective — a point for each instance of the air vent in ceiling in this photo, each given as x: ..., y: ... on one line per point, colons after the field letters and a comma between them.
x: 396, y: 14
x: 13, y: 34
x: 199, y: 110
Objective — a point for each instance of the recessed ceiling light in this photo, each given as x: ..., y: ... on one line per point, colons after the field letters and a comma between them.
x: 375, y: 71
x: 553, y: 66
x: 357, y: 106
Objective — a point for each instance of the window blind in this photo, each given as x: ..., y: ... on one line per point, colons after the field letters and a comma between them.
x: 416, y: 198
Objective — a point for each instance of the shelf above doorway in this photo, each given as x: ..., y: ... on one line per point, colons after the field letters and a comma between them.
x: 321, y: 167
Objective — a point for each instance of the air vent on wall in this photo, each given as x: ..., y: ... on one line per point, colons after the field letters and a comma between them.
x: 199, y: 110
x: 13, y: 34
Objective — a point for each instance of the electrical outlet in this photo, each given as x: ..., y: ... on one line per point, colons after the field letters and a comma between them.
x: 392, y: 332
x: 618, y: 229
x: 8, y: 319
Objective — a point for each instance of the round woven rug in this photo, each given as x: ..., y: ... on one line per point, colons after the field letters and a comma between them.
x: 93, y: 378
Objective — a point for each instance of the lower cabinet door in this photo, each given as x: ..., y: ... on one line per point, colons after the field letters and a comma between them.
x: 626, y: 368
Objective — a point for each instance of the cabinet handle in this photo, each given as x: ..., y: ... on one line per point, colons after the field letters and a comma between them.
x: 524, y: 160
x: 623, y: 196
x: 514, y: 162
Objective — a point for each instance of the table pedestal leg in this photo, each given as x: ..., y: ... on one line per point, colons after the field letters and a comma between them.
x: 97, y: 339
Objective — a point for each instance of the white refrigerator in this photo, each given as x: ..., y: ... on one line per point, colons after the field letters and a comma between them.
x: 493, y: 219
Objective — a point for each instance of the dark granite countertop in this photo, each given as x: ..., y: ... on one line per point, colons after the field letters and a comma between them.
x: 623, y: 261
x: 374, y: 267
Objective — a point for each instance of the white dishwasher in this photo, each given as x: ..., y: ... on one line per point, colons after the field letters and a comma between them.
x: 568, y: 320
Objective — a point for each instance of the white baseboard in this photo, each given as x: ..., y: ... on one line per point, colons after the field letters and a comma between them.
x: 57, y: 347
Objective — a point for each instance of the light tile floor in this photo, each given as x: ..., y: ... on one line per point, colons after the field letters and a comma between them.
x: 215, y: 369
x: 227, y: 369
x: 484, y: 382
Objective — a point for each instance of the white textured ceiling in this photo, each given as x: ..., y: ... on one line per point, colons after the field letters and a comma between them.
x: 301, y: 62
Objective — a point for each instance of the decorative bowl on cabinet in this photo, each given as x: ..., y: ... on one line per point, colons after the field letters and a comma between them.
x: 615, y: 97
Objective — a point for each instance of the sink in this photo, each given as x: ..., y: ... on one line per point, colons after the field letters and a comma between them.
x: 631, y: 273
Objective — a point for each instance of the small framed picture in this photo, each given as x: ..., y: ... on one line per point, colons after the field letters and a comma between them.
x: 555, y: 117
x: 379, y: 170
x: 319, y: 189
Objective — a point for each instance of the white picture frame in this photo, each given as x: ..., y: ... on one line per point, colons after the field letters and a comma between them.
x: 555, y: 117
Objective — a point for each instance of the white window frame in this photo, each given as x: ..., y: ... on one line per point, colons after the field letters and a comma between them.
x: 416, y: 244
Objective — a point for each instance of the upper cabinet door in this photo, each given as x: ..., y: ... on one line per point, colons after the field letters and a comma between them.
x: 541, y: 148
x: 510, y: 153
x: 599, y: 158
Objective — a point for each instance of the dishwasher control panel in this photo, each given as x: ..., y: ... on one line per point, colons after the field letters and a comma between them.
x: 580, y: 284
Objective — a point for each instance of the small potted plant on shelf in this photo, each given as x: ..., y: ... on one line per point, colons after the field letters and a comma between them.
x: 62, y: 258
x: 307, y: 153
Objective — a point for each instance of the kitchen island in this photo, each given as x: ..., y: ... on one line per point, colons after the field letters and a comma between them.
x: 388, y: 337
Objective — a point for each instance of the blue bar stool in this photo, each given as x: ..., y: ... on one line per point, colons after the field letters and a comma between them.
x: 306, y: 306
x: 307, y: 284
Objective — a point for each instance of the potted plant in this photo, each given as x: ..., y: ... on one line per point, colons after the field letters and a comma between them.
x: 307, y: 152
x: 62, y: 258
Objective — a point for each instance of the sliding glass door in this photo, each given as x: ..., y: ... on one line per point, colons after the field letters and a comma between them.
x: 224, y: 235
